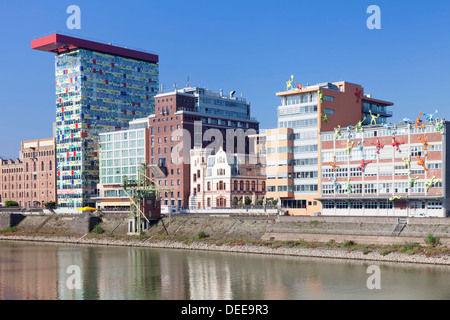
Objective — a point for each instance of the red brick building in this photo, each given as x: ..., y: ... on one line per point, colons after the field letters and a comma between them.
x: 183, y: 118
x: 186, y: 118
x: 30, y: 180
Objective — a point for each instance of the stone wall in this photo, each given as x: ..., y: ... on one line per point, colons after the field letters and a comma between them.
x: 8, y: 220
x: 323, y: 229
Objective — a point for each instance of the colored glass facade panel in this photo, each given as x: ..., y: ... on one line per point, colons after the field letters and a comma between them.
x: 95, y: 92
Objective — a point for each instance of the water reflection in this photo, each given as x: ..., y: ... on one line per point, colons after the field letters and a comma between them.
x: 30, y: 271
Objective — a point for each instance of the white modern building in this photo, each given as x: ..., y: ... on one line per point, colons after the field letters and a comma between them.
x: 121, y: 154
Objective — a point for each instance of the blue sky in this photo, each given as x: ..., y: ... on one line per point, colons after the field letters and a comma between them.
x: 248, y: 46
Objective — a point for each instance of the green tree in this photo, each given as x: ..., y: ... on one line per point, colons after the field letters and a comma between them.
x: 11, y: 204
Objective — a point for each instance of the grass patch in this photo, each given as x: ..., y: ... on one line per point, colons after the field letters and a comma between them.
x: 366, y: 250
x: 98, y: 229
x: 349, y: 243
x: 314, y: 223
x: 8, y: 230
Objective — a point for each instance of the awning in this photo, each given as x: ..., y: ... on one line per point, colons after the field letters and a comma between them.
x: 113, y: 204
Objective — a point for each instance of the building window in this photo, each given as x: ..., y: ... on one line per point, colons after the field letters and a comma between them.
x: 386, y: 205
x: 341, y: 205
x: 435, y: 205
x: 370, y: 205
x: 417, y: 205
x: 356, y: 205
x: 370, y: 188
x: 328, y: 205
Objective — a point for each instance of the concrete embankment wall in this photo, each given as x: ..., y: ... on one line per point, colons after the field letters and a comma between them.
x: 376, y: 230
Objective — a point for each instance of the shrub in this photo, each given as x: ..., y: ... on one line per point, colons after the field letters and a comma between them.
x: 349, y: 243
x: 11, y: 204
x: 201, y: 234
x: 50, y: 205
x: 431, y: 240
x: 385, y: 252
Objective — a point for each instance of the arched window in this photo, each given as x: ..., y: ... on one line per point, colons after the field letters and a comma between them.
x: 253, y: 185
x: 241, y: 185
x: 235, y: 185
x: 27, y: 167
x: 50, y: 165
x: 42, y: 166
x: 247, y: 185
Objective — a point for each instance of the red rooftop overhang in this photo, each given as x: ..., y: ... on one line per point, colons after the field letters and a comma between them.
x: 57, y: 43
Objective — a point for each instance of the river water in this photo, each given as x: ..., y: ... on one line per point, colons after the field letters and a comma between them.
x: 32, y: 271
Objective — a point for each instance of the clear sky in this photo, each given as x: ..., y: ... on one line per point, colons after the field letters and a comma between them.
x: 251, y: 47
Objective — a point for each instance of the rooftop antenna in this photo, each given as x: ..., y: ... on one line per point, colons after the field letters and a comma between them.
x: 188, y: 84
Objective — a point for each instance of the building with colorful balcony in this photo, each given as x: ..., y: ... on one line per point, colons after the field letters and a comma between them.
x: 99, y: 88
x: 386, y: 170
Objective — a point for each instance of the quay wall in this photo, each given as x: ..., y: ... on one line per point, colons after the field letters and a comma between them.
x: 367, y: 230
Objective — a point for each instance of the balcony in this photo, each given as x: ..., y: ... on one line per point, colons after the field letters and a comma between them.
x: 382, y: 111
